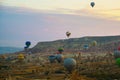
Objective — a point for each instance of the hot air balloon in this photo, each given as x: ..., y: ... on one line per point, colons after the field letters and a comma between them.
x: 68, y: 34
x: 92, y: 4
x: 28, y: 43
x: 94, y: 43
x: 117, y: 54
x: 59, y: 58
x: 60, y: 50
x: 86, y: 46
x: 70, y: 64
x: 20, y: 56
x: 118, y: 61
x: 52, y: 58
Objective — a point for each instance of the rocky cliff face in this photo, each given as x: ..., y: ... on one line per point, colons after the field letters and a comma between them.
x: 74, y: 44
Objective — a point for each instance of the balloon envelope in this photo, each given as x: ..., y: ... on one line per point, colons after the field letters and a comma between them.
x: 68, y: 34
x: 94, y: 43
x: 69, y: 64
x: 85, y: 46
x: 20, y: 56
x: 92, y: 4
x: 52, y: 58
x: 59, y: 58
x: 28, y: 43
x: 60, y: 50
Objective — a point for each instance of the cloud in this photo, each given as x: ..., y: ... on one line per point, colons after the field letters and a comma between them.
x: 18, y: 26
x: 111, y: 14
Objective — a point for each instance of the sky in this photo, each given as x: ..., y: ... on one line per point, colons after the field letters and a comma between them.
x: 49, y: 20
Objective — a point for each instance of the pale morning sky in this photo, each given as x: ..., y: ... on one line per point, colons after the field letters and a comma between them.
x: 48, y: 20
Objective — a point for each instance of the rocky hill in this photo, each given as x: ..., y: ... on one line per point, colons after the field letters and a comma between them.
x: 74, y: 44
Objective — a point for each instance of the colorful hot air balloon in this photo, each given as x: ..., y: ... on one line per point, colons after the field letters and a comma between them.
x: 59, y: 58
x: 68, y: 34
x: 60, y: 50
x: 118, y: 61
x: 70, y: 64
x: 52, y: 58
x: 92, y: 4
x: 28, y: 43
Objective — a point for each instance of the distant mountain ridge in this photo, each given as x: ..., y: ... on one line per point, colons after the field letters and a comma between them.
x: 77, y: 43
x: 9, y: 49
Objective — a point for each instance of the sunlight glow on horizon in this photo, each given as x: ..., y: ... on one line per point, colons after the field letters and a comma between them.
x: 106, y: 8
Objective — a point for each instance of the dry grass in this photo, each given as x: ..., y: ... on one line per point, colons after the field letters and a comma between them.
x: 85, y: 70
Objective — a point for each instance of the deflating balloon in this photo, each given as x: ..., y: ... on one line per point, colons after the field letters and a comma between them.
x: 28, y: 43
x: 118, y: 61
x: 59, y: 58
x: 68, y: 34
x: 92, y: 4
x: 52, y: 58
x: 117, y: 54
x: 69, y: 64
